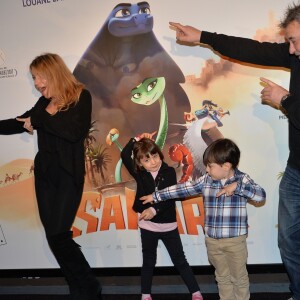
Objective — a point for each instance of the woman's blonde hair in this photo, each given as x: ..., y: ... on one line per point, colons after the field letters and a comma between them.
x: 61, y: 82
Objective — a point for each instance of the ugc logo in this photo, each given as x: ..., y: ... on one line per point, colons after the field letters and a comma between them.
x: 2, y: 58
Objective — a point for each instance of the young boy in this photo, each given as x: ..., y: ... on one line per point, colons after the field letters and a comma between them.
x: 225, y: 191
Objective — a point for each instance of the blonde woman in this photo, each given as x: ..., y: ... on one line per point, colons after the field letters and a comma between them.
x: 61, y: 118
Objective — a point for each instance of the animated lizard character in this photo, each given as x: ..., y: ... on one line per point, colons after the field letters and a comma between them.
x: 112, y: 137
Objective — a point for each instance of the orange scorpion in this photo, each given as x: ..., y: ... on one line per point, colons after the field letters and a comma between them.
x: 181, y: 154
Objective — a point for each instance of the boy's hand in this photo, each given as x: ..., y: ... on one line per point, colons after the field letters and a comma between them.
x: 147, y: 214
x: 147, y: 199
x: 228, y: 190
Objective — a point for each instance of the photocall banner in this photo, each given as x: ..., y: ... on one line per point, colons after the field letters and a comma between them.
x: 121, y: 52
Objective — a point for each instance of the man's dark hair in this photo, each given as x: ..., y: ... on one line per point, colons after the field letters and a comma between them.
x: 292, y: 13
x: 222, y: 151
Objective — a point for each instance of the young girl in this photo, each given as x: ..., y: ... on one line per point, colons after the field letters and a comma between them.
x: 158, y: 221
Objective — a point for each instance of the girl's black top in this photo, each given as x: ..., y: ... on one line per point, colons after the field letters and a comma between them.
x: 165, y: 211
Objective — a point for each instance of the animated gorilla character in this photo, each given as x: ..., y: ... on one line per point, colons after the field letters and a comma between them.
x: 125, y: 52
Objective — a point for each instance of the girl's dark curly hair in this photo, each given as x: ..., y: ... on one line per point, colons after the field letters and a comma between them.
x: 144, y: 148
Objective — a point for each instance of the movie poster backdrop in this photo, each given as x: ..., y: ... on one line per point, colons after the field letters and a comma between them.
x: 125, y: 53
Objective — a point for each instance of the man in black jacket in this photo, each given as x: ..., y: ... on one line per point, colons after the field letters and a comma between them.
x: 275, y: 55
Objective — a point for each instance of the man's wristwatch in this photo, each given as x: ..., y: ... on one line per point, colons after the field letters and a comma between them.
x: 284, y: 98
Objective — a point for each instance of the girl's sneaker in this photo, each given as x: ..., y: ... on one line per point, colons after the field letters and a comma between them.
x: 197, y: 297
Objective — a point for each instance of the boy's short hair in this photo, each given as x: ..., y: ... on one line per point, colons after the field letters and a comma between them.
x: 144, y: 148
x: 222, y: 151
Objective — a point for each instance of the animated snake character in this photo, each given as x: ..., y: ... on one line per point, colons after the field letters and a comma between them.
x: 122, y: 54
x: 201, y: 131
x: 147, y: 93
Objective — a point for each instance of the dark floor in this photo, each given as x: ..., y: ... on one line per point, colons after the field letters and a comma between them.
x: 255, y: 296
x: 263, y: 287
x: 266, y: 283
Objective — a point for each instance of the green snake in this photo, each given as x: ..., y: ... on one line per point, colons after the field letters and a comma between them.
x: 147, y: 93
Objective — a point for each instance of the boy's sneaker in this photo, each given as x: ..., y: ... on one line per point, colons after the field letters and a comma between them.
x: 197, y: 297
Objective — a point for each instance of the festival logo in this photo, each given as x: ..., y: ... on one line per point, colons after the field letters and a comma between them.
x: 6, y: 72
x: 2, y: 237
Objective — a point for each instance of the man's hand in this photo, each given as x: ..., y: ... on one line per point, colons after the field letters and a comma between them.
x: 147, y: 214
x: 272, y: 93
x: 186, y: 33
x: 27, y: 124
x: 147, y: 199
x: 228, y: 190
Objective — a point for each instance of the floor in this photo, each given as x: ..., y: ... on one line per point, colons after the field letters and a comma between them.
x: 256, y: 296
x: 263, y: 286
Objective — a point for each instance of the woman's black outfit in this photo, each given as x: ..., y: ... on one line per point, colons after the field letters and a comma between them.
x: 59, y: 171
x: 165, y: 213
